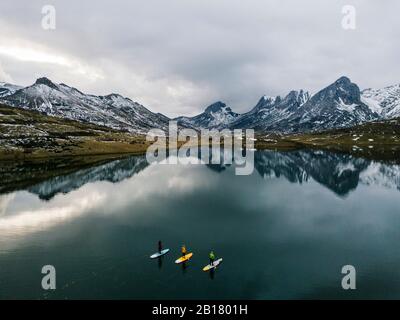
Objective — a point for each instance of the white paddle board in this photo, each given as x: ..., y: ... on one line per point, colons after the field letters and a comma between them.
x: 159, y: 254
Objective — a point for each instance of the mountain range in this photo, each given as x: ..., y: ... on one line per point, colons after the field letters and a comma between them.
x: 341, y: 104
x: 113, y: 110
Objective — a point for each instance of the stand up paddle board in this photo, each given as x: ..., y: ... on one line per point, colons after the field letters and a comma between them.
x: 159, y: 254
x: 215, y: 264
x: 184, y: 258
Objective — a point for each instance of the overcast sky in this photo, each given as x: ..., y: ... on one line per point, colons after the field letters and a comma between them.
x: 178, y: 56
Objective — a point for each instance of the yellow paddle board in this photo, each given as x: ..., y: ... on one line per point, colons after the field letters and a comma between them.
x: 184, y: 258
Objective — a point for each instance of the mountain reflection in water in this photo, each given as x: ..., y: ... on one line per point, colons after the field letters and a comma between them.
x: 340, y: 173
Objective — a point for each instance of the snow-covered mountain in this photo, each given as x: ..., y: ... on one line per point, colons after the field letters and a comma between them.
x: 338, y: 105
x: 385, y: 101
x: 217, y: 115
x: 114, y: 110
x: 7, y: 89
x: 270, y: 113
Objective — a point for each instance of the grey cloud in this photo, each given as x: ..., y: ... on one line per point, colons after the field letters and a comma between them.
x: 176, y: 56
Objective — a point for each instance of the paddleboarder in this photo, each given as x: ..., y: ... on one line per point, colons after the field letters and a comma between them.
x: 159, y: 246
x: 212, y: 257
x: 161, y: 251
x: 185, y: 255
x: 183, y: 250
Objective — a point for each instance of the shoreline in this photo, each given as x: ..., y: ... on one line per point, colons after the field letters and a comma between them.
x: 369, y: 151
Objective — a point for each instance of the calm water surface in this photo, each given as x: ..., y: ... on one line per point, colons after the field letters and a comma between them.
x: 284, y: 232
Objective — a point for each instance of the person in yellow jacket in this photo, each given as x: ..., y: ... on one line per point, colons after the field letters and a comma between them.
x: 183, y: 250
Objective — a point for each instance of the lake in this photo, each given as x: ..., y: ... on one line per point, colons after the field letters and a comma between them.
x: 284, y: 232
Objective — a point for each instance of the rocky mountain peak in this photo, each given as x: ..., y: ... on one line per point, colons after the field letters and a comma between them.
x: 342, y: 90
x: 216, y: 107
x: 343, y: 80
x: 47, y: 82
